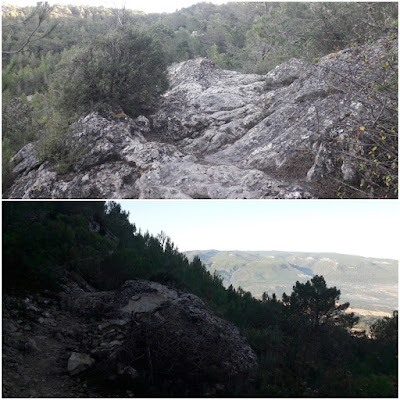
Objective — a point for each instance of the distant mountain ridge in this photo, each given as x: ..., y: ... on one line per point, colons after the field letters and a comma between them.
x: 369, y: 284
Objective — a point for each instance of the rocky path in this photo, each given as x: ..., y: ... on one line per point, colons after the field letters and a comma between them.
x: 216, y: 134
x: 37, y: 341
x: 143, y: 338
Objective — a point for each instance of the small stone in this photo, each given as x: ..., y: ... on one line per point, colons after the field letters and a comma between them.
x: 115, y: 343
x: 31, y: 346
x: 31, y: 307
x: 78, y: 362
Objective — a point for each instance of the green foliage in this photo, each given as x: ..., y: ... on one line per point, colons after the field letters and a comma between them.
x: 42, y: 243
x: 36, y: 120
x: 57, y: 143
x: 19, y: 127
x: 32, y: 27
x: 312, y: 30
x: 223, y: 60
x: 386, y: 330
x: 252, y: 37
x: 6, y: 155
x: 123, y: 68
x: 317, y: 303
x: 375, y: 385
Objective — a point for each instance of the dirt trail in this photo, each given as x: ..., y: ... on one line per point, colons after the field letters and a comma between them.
x: 37, y: 342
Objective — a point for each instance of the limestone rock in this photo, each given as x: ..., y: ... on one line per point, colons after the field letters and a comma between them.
x: 182, y: 331
x: 175, y: 327
x: 25, y: 159
x: 216, y: 134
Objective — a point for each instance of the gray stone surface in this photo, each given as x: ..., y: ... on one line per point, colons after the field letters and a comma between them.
x: 216, y: 134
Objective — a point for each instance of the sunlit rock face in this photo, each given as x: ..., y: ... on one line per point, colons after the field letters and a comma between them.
x: 215, y: 134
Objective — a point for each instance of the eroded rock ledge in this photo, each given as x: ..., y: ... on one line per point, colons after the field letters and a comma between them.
x: 217, y: 134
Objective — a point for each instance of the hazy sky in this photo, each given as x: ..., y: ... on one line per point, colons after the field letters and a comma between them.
x: 361, y: 227
x: 148, y: 6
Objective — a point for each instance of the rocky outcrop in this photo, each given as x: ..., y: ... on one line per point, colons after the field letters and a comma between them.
x: 102, y: 344
x: 121, y: 163
x: 216, y: 134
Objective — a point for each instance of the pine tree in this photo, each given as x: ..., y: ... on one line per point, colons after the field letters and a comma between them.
x: 318, y: 305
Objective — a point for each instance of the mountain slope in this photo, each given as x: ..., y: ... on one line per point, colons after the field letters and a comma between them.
x: 367, y: 283
x: 82, y: 318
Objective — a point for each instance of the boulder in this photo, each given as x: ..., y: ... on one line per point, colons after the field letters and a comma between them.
x: 155, y: 334
x: 179, y: 330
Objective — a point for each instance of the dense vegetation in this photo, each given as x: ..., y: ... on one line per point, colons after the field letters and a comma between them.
x: 124, y: 68
x: 303, y: 343
x: 108, y: 53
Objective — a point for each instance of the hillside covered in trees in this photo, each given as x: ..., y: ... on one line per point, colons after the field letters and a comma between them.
x: 62, y: 62
x: 364, y: 282
x: 71, y: 258
x: 244, y: 36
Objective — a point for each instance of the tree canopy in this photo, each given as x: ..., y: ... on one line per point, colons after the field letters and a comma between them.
x: 386, y: 330
x: 317, y: 303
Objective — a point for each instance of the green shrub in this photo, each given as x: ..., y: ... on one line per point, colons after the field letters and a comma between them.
x: 58, y: 144
x: 386, y: 330
x: 375, y: 385
x: 124, y: 68
x: 18, y: 128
